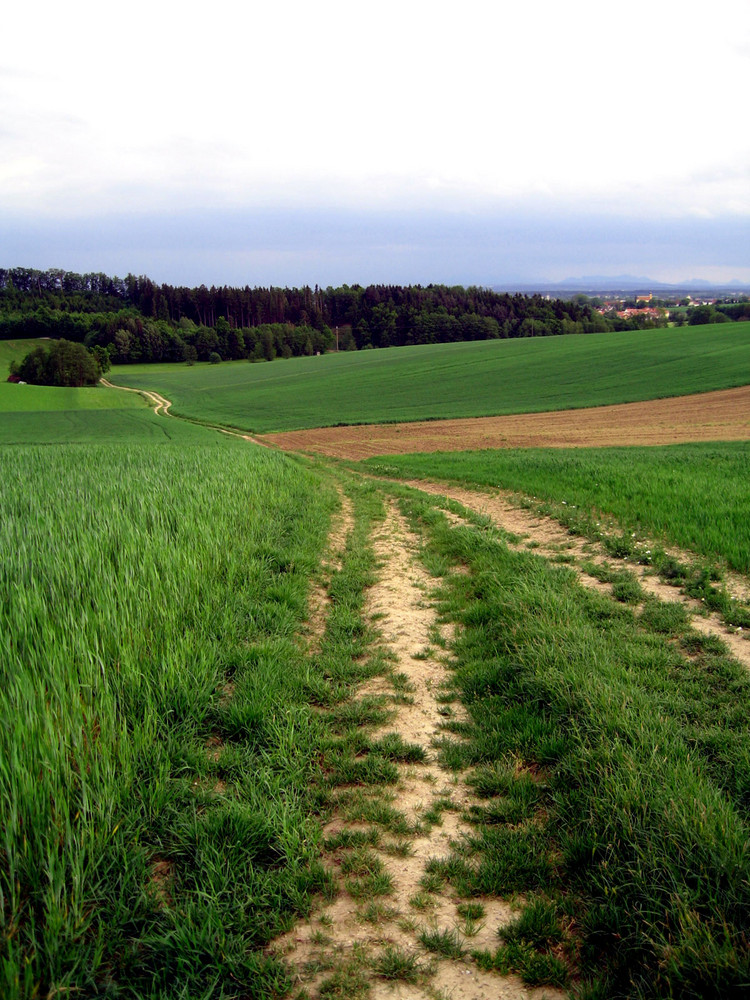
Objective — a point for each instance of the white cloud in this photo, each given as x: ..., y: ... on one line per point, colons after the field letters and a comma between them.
x: 636, y: 107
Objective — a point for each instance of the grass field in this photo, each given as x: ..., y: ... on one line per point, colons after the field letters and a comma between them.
x: 613, y: 757
x: 133, y: 423
x: 137, y: 584
x: 175, y: 727
x: 39, y: 414
x: 696, y: 496
x: 453, y: 380
x: 41, y: 398
x: 47, y: 398
x: 15, y: 350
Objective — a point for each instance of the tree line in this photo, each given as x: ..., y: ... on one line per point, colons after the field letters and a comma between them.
x: 137, y: 320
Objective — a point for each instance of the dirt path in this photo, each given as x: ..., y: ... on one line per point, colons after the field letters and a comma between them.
x: 548, y: 538
x: 354, y: 945
x: 162, y: 405
x: 710, y: 416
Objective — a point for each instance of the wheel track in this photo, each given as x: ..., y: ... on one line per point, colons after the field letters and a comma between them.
x: 337, y: 935
x: 550, y: 539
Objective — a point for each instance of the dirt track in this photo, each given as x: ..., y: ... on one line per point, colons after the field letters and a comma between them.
x: 709, y: 416
x: 345, y: 939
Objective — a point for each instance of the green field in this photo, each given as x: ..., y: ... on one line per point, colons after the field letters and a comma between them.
x: 131, y: 424
x: 36, y: 398
x: 611, y: 751
x: 49, y: 399
x: 136, y: 584
x: 176, y: 731
x: 453, y: 380
x: 15, y: 350
x: 40, y: 414
x: 696, y: 495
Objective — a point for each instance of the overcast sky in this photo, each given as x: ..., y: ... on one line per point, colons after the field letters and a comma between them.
x: 403, y: 141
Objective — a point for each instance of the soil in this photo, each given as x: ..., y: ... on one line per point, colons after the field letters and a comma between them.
x: 709, y: 416
x: 339, y: 938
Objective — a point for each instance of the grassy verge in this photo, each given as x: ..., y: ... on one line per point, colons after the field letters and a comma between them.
x: 614, y: 759
x: 692, y: 495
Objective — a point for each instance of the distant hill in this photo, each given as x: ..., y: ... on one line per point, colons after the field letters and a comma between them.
x: 606, y: 283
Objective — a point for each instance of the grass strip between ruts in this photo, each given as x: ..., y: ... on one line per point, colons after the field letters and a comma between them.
x: 691, y: 495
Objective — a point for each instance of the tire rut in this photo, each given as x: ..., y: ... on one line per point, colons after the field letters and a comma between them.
x: 548, y: 538
x: 348, y: 939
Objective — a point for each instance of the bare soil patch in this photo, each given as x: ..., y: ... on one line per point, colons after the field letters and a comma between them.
x: 711, y: 416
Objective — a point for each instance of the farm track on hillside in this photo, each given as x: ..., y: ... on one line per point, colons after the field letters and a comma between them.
x: 162, y: 406
x: 725, y: 410
x: 723, y: 415
x: 548, y: 538
x: 364, y: 942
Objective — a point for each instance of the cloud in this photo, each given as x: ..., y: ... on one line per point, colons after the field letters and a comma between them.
x: 274, y: 129
x: 332, y: 247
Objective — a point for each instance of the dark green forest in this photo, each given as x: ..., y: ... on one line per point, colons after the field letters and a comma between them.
x: 137, y: 320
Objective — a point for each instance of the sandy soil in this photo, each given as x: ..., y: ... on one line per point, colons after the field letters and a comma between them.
x: 709, y: 416
x: 338, y: 936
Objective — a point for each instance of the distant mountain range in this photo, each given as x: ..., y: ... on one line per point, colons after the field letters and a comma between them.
x: 597, y: 283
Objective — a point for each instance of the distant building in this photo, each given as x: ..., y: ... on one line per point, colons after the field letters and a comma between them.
x: 649, y: 313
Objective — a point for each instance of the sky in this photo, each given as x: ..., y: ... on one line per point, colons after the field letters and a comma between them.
x: 404, y: 142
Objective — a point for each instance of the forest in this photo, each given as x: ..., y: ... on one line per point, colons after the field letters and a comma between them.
x: 137, y: 320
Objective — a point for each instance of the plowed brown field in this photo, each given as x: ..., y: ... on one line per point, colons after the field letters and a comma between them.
x: 709, y: 416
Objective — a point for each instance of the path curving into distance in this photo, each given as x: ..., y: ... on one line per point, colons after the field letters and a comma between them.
x: 161, y: 406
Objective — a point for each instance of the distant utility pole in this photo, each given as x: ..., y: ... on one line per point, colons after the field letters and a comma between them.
x: 337, y: 339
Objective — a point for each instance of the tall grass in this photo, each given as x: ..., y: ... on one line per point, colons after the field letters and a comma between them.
x: 157, y: 749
